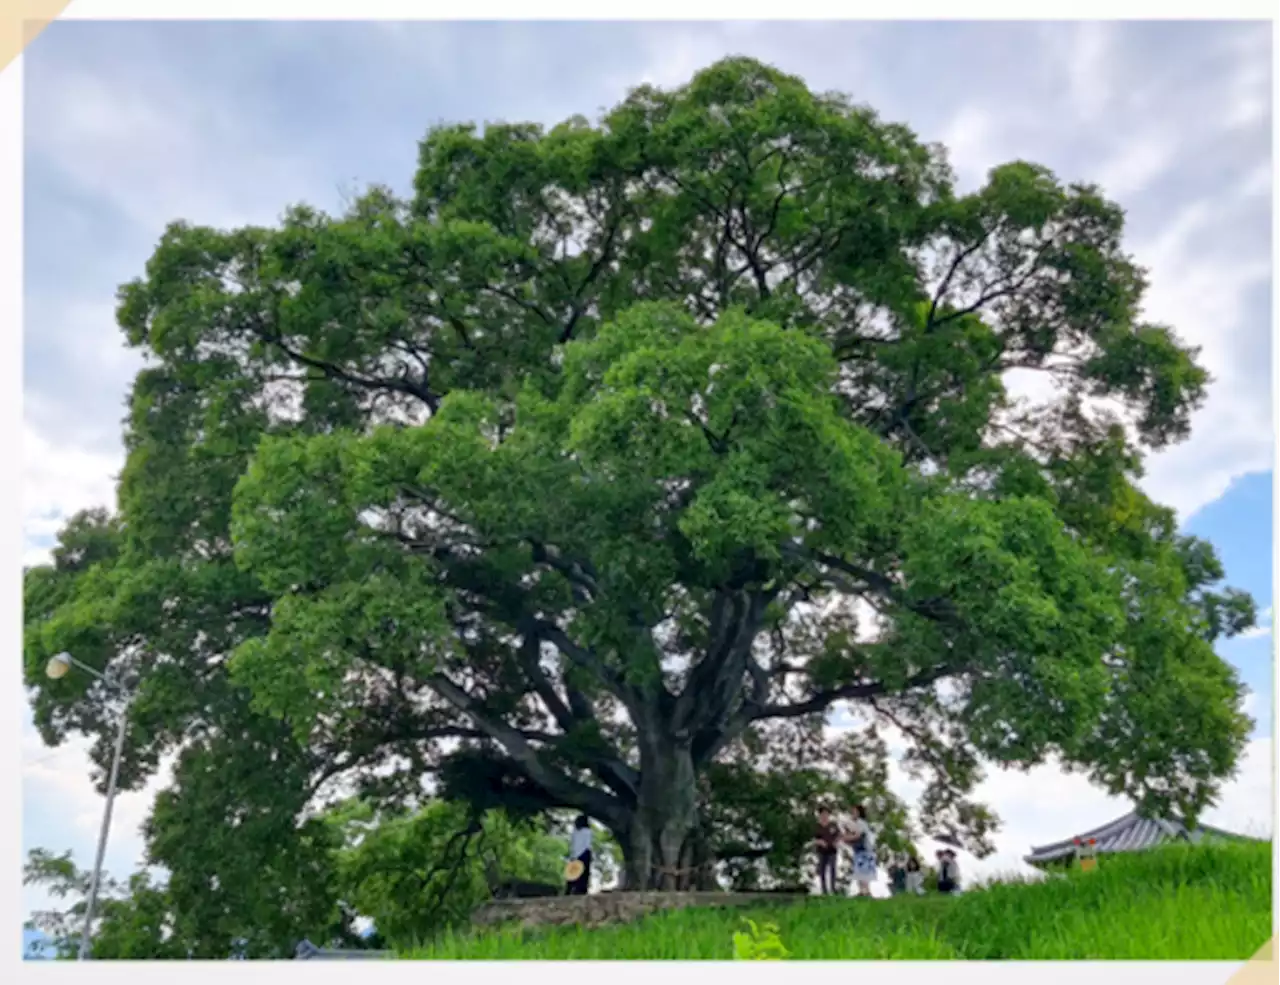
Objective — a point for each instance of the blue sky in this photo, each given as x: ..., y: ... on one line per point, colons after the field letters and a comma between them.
x: 34, y: 946
x: 130, y: 125
x: 1239, y: 524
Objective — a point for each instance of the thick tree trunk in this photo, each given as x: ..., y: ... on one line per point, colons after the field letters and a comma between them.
x: 704, y: 873
x: 662, y: 844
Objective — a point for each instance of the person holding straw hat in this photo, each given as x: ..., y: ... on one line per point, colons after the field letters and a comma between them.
x: 577, y: 871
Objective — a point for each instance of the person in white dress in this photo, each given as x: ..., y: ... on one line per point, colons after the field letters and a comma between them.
x: 860, y: 837
x: 915, y: 877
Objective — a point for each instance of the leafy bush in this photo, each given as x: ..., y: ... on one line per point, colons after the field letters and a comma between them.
x: 760, y: 942
x: 417, y: 874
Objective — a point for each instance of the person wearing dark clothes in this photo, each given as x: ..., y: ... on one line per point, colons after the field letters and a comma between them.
x: 948, y: 872
x: 897, y: 878
x: 827, y: 842
x: 579, y: 852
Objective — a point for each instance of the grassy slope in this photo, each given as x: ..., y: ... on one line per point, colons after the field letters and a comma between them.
x: 1211, y: 902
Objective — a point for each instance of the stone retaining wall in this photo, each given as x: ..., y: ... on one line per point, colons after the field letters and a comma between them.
x: 605, y: 908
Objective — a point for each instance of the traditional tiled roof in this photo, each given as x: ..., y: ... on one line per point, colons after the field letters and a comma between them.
x: 306, y: 951
x: 1130, y: 833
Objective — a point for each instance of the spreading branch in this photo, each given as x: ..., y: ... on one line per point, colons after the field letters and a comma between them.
x: 571, y: 792
x: 862, y: 691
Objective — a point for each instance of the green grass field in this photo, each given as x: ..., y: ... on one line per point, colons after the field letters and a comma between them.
x: 1175, y: 903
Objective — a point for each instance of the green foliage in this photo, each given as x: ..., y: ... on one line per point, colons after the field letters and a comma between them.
x: 759, y: 942
x: 414, y: 874
x: 251, y: 870
x: 139, y: 926
x: 131, y: 921
x: 419, y: 873
x: 617, y: 449
x: 60, y: 879
x: 763, y: 797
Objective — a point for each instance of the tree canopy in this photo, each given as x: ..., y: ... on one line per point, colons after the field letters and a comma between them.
x: 618, y: 448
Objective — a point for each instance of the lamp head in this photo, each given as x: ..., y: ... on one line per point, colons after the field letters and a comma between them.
x: 58, y: 666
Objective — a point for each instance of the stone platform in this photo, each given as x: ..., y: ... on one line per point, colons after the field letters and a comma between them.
x: 606, y: 908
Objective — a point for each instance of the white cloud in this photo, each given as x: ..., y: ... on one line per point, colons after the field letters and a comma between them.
x: 1047, y: 804
x: 81, y: 374
x: 1088, y: 59
x: 972, y: 148
x: 158, y: 151
x: 1249, y: 84
x: 675, y: 62
x: 435, y: 51
x: 1202, y: 271
x: 1141, y: 159
x: 1201, y: 292
x: 148, y: 147
x: 62, y: 810
x: 1258, y: 183
x: 59, y: 481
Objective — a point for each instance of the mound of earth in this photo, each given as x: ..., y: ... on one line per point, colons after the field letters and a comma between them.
x: 608, y: 908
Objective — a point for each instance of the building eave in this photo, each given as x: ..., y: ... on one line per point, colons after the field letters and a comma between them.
x: 1129, y: 833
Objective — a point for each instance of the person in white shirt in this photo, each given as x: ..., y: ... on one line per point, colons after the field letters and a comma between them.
x: 915, y: 877
x: 580, y: 851
x: 862, y: 839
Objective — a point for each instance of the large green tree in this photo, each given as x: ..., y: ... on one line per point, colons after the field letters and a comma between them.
x: 619, y: 444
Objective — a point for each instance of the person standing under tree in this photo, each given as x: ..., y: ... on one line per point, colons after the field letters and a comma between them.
x: 827, y: 842
x: 862, y: 840
x: 577, y: 872
x: 915, y: 877
x: 897, y: 877
x: 948, y: 872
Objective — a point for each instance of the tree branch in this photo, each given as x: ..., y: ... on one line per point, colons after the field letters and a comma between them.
x: 941, y: 293
x: 713, y: 696
x: 849, y: 692
x: 590, y: 800
x: 419, y: 392
x: 936, y: 609
x: 578, y: 573
x: 528, y: 654
x: 606, y: 254
x: 610, y: 769
x: 588, y: 660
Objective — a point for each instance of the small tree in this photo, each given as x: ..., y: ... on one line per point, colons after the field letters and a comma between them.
x: 418, y: 873
x: 132, y: 921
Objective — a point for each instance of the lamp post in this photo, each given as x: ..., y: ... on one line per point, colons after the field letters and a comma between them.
x: 59, y: 666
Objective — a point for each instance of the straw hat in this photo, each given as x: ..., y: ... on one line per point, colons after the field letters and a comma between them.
x: 573, y: 871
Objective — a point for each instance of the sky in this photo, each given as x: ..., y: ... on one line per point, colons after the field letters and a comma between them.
x: 131, y: 125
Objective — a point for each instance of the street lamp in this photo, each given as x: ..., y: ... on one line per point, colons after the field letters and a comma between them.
x: 58, y: 667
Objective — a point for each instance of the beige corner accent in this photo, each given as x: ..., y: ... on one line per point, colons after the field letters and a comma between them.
x: 21, y: 21
x: 1258, y: 969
